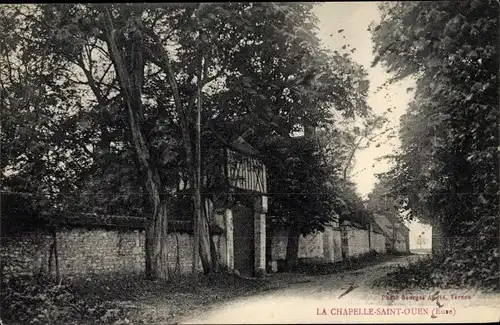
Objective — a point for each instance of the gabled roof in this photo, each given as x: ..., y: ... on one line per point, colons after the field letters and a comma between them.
x: 386, y: 225
x: 405, y: 227
x: 230, y: 135
x: 400, y: 235
x: 375, y: 227
x: 383, y: 223
x: 244, y: 147
x: 395, y: 219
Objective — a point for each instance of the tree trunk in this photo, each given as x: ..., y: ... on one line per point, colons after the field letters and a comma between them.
x: 394, y: 235
x: 156, y: 242
x: 350, y: 158
x: 208, y: 216
x: 202, y: 238
x: 438, y: 239
x: 214, y: 255
x: 56, y: 255
x: 201, y: 222
x: 196, y: 234
x: 193, y: 157
x: 292, y: 248
x: 130, y: 72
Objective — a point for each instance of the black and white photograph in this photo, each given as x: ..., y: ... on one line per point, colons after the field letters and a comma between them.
x: 249, y: 162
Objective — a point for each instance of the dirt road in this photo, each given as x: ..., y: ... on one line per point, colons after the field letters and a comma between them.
x: 320, y: 301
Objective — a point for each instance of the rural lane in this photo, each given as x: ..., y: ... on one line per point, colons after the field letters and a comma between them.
x: 317, y: 301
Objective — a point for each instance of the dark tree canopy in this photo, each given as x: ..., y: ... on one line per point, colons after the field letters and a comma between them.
x: 449, y: 135
x: 447, y: 171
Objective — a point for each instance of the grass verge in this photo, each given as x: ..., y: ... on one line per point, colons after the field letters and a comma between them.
x: 119, y: 299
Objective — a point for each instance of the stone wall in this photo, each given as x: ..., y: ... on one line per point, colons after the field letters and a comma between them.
x: 84, y: 251
x: 331, y: 245
x: 324, y: 245
x: 180, y: 256
x: 327, y: 244
x: 279, y: 240
x: 378, y: 242
x: 92, y: 251
x: 332, y: 249
x: 358, y: 241
x: 311, y: 245
x: 400, y: 246
x: 26, y: 255
x: 80, y: 251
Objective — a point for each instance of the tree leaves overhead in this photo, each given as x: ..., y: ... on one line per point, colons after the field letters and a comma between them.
x: 302, y: 185
x: 449, y: 134
x: 265, y: 69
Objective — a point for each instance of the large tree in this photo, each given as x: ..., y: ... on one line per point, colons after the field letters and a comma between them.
x: 302, y: 194
x: 43, y: 142
x: 144, y: 82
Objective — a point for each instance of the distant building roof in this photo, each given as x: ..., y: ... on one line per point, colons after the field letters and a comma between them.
x: 385, y: 223
x: 405, y: 227
x: 375, y: 226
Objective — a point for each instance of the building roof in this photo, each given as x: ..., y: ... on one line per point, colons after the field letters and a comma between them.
x: 376, y: 227
x: 230, y: 137
x: 244, y: 147
x: 386, y: 225
x: 405, y: 227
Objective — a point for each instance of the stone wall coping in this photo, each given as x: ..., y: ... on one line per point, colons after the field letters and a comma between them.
x: 89, y: 220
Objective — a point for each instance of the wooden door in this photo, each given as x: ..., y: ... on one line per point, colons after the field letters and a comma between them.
x: 243, y: 239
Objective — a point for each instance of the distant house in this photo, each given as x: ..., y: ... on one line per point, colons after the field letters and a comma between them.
x: 396, y: 233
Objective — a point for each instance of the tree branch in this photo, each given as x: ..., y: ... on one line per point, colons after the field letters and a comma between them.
x: 159, y: 56
x: 105, y: 73
x: 221, y: 71
x: 106, y: 54
x: 91, y: 82
x: 351, y: 156
x: 9, y: 66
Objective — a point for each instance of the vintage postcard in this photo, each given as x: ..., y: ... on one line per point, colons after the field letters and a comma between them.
x: 249, y: 162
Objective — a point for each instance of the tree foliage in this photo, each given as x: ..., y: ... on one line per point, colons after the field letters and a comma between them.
x: 447, y: 171
x: 300, y: 184
x: 383, y: 199
x: 449, y: 135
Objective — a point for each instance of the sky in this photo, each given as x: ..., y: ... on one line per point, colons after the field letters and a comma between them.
x: 354, y: 18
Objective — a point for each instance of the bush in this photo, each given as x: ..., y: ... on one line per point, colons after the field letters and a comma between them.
x: 34, y: 301
x: 417, y: 275
x: 30, y: 300
x: 471, y: 262
x: 474, y: 259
